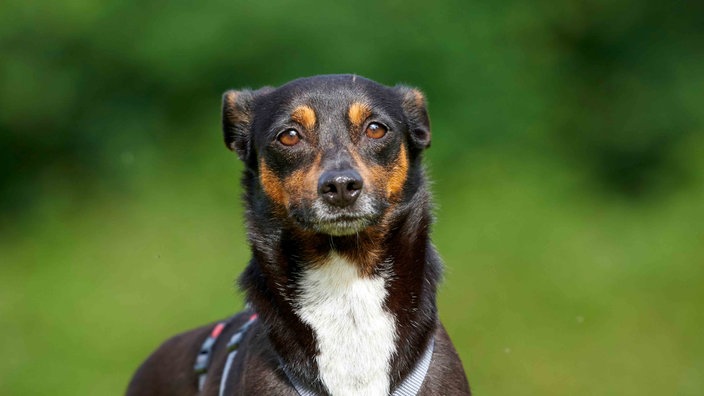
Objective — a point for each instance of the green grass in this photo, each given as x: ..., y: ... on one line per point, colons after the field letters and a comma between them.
x: 550, y: 289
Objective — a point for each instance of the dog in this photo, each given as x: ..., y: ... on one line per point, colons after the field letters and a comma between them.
x: 341, y: 287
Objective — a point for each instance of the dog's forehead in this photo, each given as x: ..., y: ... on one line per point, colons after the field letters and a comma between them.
x: 330, y: 96
x: 332, y: 86
x: 329, y: 107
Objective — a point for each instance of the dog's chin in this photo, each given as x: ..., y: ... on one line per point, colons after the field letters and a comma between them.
x: 342, y: 226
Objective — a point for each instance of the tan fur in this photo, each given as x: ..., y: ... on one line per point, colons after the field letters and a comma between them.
x: 419, y: 98
x: 358, y: 113
x: 398, y: 174
x: 272, y: 185
x: 300, y: 184
x: 233, y: 112
x: 371, y: 179
x: 231, y: 98
x: 305, y: 116
x: 391, y: 179
x: 303, y: 183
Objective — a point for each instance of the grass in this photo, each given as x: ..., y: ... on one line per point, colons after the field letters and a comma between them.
x: 551, y: 288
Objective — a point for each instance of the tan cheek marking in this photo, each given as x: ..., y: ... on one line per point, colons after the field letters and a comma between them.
x: 294, y: 184
x: 305, y: 116
x: 272, y: 185
x: 398, y: 174
x: 303, y: 182
x: 313, y: 176
x: 391, y: 178
x: 357, y: 113
x: 370, y: 176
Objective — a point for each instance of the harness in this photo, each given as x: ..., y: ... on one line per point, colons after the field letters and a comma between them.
x: 408, y: 387
x: 206, y: 350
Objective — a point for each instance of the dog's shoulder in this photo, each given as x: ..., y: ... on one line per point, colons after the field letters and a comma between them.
x: 445, y: 376
x: 256, y: 369
x: 169, y: 369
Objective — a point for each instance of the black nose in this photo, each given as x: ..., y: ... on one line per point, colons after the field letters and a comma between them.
x: 340, y: 188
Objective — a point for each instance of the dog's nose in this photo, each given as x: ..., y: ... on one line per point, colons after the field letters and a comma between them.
x: 340, y: 188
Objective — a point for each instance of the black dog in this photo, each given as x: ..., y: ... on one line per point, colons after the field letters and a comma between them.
x: 343, y: 276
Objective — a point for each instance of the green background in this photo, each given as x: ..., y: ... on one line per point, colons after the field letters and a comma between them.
x: 567, y: 162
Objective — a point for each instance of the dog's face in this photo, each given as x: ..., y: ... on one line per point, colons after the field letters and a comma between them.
x: 331, y: 153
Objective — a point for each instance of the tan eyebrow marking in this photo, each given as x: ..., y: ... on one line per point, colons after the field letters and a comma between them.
x: 358, y: 112
x: 305, y: 116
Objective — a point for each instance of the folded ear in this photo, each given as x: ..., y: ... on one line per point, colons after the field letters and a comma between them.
x: 237, y: 117
x: 413, y: 102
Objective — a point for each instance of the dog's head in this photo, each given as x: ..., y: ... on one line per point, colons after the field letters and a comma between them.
x: 331, y: 153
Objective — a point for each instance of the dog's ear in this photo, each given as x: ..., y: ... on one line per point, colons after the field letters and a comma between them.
x: 237, y: 118
x: 414, y: 107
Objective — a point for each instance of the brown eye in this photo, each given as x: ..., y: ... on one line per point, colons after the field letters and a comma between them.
x: 289, y: 137
x: 376, y: 130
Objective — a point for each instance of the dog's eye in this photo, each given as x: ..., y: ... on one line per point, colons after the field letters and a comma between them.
x: 289, y: 137
x: 376, y: 130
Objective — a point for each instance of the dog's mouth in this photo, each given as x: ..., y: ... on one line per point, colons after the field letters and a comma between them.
x: 322, y: 218
x: 342, y: 225
x: 325, y: 219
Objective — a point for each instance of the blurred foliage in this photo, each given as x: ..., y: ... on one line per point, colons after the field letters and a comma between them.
x: 568, y: 155
x: 613, y: 85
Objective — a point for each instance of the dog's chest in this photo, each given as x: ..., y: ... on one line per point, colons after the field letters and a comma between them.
x: 355, y: 335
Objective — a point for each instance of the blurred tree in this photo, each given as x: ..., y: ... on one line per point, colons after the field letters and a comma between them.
x: 82, y: 85
x: 620, y: 109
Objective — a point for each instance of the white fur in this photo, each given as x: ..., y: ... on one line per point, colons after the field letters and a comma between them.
x: 355, y: 334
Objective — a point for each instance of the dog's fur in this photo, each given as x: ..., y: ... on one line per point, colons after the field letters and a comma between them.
x: 344, y: 285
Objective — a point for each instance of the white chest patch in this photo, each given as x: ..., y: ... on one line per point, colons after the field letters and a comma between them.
x: 354, y: 333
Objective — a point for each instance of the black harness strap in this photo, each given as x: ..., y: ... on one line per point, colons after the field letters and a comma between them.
x: 232, y: 351
x: 206, y: 351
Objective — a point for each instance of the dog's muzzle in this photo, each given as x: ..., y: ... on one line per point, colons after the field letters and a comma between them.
x: 343, y: 206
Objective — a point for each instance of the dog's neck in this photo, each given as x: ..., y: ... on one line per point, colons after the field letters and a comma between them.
x: 355, y: 334
x: 347, y: 313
